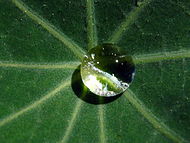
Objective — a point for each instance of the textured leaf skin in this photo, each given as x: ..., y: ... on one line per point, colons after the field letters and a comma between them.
x: 162, y: 86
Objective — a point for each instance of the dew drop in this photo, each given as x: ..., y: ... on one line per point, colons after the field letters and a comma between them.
x: 107, y: 70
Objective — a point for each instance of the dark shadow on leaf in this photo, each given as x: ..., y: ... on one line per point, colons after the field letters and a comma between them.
x: 82, y: 92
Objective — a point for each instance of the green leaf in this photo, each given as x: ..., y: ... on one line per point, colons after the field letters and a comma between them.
x: 41, y: 44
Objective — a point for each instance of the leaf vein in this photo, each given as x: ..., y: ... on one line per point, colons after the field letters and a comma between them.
x: 76, y: 49
x: 156, y: 123
x: 35, y: 104
x: 130, y: 19
x: 72, y: 122
x: 91, y: 24
x: 101, y: 123
x: 68, y: 65
x: 150, y: 58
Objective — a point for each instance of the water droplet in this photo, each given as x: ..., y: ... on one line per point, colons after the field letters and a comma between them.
x: 107, y: 71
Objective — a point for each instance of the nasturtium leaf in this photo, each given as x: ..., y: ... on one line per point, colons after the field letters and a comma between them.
x: 43, y: 42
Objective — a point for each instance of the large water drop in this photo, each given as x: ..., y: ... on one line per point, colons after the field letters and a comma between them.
x: 107, y: 70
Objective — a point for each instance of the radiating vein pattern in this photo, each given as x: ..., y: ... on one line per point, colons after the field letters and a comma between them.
x: 68, y: 65
x: 76, y: 49
x: 130, y: 19
x: 102, y: 123
x: 74, y: 116
x: 35, y: 104
x: 150, y: 58
x: 157, y: 124
x: 91, y: 24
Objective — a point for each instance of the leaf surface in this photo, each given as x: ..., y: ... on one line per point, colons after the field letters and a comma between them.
x: 41, y: 43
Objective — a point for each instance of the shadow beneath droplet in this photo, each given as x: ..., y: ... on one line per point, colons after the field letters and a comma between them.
x: 82, y: 92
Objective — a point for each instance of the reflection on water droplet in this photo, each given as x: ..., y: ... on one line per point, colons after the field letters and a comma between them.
x: 84, y: 93
x: 107, y: 71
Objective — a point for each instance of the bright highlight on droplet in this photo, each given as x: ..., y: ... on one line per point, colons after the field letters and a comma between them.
x: 107, y: 71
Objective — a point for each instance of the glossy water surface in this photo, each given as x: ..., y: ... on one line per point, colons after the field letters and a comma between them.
x: 107, y: 70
